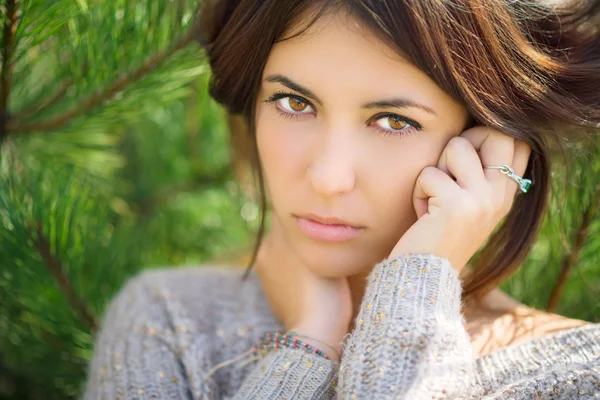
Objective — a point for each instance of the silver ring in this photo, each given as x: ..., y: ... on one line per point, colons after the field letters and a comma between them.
x: 524, y: 184
x: 308, y: 169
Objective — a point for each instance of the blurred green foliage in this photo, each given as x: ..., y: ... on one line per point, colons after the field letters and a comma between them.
x: 114, y: 158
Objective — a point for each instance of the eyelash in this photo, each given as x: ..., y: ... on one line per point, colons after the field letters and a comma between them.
x: 414, y: 126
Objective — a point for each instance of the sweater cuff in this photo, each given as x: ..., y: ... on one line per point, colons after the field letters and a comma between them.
x: 409, y: 334
x: 290, y: 373
x: 425, y: 282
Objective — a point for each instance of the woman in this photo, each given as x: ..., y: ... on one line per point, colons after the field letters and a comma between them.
x: 392, y: 139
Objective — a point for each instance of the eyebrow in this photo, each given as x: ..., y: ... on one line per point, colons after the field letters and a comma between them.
x: 398, y: 102
x: 285, y: 81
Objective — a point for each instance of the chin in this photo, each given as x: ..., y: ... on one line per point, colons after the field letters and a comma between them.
x: 334, y: 261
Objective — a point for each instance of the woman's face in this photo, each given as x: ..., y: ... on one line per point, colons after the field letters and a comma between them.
x: 339, y: 101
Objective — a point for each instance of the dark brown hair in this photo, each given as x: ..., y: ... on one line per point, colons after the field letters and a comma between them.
x: 528, y: 69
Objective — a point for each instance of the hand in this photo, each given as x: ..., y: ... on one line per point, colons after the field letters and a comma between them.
x: 455, y: 217
x: 303, y: 301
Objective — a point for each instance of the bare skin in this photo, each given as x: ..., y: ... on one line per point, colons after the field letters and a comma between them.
x: 499, y: 321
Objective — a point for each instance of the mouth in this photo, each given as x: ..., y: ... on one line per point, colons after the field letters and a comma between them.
x: 327, y: 228
x: 327, y: 220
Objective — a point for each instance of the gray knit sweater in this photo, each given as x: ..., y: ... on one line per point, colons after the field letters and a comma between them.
x: 167, y: 329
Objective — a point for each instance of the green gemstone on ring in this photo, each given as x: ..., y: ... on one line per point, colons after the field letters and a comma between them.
x: 525, y: 185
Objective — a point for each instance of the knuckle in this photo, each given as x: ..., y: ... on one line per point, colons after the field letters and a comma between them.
x: 493, y: 133
x: 485, y: 130
x: 458, y: 143
x: 428, y: 172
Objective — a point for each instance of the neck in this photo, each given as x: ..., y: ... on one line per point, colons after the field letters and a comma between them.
x: 358, y: 284
x: 276, y: 251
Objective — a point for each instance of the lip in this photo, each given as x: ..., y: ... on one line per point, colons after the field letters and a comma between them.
x: 327, y: 220
x: 328, y: 229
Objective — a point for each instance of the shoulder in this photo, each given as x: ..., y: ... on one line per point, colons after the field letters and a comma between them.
x: 189, y: 282
x: 491, y: 330
x: 195, y: 298
x: 171, y: 322
x: 565, y: 363
x: 498, y: 320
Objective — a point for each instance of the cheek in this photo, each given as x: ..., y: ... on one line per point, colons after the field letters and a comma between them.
x: 281, y: 148
x: 392, y: 190
x: 394, y: 200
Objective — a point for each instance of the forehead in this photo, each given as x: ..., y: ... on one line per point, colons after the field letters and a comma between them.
x: 338, y: 52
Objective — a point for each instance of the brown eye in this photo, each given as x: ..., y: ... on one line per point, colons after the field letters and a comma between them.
x: 392, y: 123
x: 395, y: 122
x: 294, y: 105
x: 297, y: 104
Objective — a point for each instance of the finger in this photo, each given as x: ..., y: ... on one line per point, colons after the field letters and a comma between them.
x: 432, y: 187
x: 521, y: 157
x: 520, y: 161
x: 442, y: 164
x: 494, y: 148
x: 460, y: 160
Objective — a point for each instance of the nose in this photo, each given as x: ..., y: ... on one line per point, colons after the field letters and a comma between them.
x: 332, y: 171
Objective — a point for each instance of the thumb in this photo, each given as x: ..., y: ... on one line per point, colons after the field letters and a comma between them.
x: 432, y: 186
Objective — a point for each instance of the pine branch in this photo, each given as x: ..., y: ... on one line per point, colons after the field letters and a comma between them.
x: 179, y: 15
x: 45, y: 102
x: 106, y: 94
x: 572, y: 257
x: 8, y: 36
x: 57, y: 271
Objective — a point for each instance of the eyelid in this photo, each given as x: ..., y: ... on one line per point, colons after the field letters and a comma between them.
x: 281, y: 95
x: 409, y: 121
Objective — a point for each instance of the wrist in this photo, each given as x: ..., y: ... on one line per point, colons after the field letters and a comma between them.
x: 332, y: 353
x: 325, y: 341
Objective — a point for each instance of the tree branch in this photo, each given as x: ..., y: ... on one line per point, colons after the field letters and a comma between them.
x: 106, y: 94
x: 57, y: 271
x: 8, y: 35
x: 45, y: 102
x: 572, y: 257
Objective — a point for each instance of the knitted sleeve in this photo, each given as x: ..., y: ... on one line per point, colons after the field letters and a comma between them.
x: 290, y: 374
x: 410, y: 341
